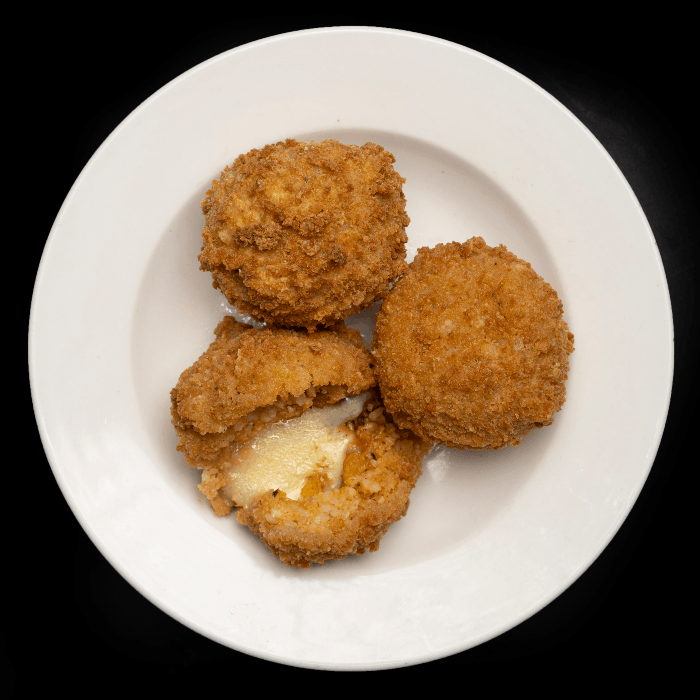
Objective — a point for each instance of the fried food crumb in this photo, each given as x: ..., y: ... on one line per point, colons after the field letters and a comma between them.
x: 352, y: 519
x: 471, y: 347
x: 305, y: 233
x: 249, y: 378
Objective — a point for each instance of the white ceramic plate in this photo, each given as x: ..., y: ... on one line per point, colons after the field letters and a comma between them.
x: 120, y: 309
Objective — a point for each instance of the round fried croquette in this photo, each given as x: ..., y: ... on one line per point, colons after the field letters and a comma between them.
x: 305, y: 234
x: 471, y: 347
x: 251, y: 379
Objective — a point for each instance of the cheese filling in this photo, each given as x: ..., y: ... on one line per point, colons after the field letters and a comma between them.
x: 288, y: 454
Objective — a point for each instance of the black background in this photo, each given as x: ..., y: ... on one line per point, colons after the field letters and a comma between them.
x: 630, y: 84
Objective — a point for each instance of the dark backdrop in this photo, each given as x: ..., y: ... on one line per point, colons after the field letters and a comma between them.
x: 630, y: 84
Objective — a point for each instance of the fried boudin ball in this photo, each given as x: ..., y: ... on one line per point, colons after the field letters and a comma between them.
x: 250, y: 381
x: 471, y: 347
x: 305, y: 234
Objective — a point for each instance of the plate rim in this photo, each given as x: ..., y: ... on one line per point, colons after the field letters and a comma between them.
x: 45, y: 438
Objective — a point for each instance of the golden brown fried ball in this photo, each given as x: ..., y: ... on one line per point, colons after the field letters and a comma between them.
x: 250, y: 378
x: 305, y: 234
x: 471, y: 347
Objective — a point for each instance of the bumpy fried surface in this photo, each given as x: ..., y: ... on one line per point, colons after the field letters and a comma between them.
x: 305, y: 234
x: 471, y: 347
x: 249, y: 377
x: 377, y: 481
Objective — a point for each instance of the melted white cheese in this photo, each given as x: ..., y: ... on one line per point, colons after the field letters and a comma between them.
x: 286, y: 454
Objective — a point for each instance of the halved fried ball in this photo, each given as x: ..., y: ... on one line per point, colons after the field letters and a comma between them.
x: 379, y: 472
x: 249, y: 393
x: 305, y: 234
x: 471, y: 347
x: 251, y: 377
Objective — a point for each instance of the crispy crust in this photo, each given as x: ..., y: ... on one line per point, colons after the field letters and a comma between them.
x: 247, y: 368
x: 377, y: 482
x: 471, y: 347
x: 250, y: 377
x: 305, y: 234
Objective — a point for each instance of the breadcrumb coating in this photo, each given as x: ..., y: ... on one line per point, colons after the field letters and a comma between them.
x: 471, y: 347
x: 250, y: 377
x: 377, y: 481
x: 305, y: 233
x: 246, y: 369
